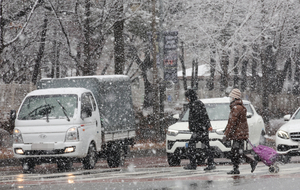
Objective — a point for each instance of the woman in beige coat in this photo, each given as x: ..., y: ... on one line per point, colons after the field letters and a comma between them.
x: 237, y: 130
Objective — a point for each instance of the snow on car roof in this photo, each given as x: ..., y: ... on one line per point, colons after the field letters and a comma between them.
x: 219, y: 100
x: 57, y: 91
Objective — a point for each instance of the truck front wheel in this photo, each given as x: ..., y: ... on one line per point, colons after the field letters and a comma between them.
x: 173, y: 159
x: 90, y: 160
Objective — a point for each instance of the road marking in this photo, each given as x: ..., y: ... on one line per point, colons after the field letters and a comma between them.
x: 149, y: 174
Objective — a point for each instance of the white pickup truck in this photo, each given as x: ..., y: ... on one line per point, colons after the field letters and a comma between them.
x: 75, y: 119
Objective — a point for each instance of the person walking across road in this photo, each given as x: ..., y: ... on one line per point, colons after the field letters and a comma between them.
x: 237, y: 130
x: 199, y: 125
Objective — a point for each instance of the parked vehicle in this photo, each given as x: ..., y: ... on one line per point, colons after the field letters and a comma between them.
x: 75, y: 119
x: 218, y: 110
x: 288, y: 137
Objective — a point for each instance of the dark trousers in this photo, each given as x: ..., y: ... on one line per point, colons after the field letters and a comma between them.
x: 191, y: 151
x: 237, y: 151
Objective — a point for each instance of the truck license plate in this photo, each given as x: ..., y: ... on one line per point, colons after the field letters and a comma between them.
x: 42, y: 146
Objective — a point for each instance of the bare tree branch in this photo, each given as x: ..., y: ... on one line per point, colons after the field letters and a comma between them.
x: 24, y: 26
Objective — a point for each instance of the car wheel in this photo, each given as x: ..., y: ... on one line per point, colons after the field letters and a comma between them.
x: 285, y: 159
x: 173, y: 160
x: 90, y: 160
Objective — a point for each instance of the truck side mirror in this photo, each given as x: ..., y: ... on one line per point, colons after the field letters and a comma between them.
x: 13, y: 115
x: 86, y: 112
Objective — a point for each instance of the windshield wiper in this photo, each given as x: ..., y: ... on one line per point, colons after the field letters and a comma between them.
x: 64, y: 110
x: 45, y: 111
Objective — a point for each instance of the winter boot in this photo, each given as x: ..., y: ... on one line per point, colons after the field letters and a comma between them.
x: 253, y: 165
x: 210, y: 167
x: 234, y: 171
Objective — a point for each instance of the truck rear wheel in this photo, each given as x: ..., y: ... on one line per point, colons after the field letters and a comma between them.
x: 116, y: 156
x: 173, y: 159
x: 90, y: 160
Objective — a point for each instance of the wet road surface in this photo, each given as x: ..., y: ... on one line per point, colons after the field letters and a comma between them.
x: 152, y: 173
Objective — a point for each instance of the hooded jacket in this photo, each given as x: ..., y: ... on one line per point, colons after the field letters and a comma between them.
x: 199, y: 121
x: 237, y: 127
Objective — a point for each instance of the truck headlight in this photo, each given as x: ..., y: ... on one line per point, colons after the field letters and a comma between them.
x: 17, y: 136
x: 283, y: 134
x: 72, y: 134
x: 172, y: 132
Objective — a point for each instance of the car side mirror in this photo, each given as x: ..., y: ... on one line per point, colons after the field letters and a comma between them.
x: 13, y: 115
x: 287, y: 117
x: 86, y: 112
x: 249, y: 115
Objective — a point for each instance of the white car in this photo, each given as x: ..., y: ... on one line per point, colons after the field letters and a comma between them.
x: 218, y: 110
x: 288, y: 137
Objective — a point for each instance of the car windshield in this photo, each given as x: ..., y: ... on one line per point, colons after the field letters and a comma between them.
x: 48, y: 107
x: 297, y: 115
x: 216, y: 111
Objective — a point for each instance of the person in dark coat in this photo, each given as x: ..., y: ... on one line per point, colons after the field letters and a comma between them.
x: 199, y: 124
x: 237, y: 130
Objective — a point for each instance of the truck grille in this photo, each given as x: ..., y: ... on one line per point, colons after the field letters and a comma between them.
x: 44, y: 152
x: 295, y: 136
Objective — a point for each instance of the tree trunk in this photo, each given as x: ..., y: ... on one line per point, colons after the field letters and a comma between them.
x: 38, y: 60
x: 224, y: 66
x: 57, y: 63
x: 119, y: 40
x: 264, y: 90
x: 210, y: 83
x: 183, y: 67
x: 193, y: 75
x: 88, y: 69
x: 236, y: 72
x: 244, y: 75
x: 196, y: 74
x: 1, y: 29
x: 254, y: 77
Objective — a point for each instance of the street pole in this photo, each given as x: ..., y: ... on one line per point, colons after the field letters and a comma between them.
x: 155, y: 71
x: 162, y: 85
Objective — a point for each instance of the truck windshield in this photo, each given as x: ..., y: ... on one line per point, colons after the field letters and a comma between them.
x: 216, y: 111
x: 48, y: 107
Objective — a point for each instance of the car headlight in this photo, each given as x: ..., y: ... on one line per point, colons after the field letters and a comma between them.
x: 17, y: 136
x: 72, y: 134
x: 172, y: 132
x: 283, y: 134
